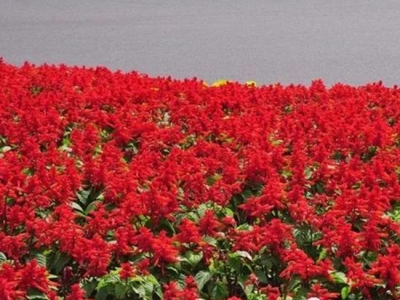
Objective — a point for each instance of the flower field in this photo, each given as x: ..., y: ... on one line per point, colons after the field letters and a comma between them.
x: 121, y: 186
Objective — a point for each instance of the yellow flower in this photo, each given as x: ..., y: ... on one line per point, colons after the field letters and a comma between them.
x: 251, y: 83
x: 220, y: 82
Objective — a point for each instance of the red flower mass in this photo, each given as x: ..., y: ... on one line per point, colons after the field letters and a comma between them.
x: 182, y: 190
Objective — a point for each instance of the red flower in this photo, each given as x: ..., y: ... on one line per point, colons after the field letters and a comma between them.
x: 189, y: 292
x: 163, y: 250
x: 273, y: 293
x: 143, y: 266
x: 318, y: 291
x: 76, y: 293
x: 171, y: 291
x: 34, y: 276
x: 358, y: 278
x: 387, y: 267
x: 302, y: 265
x: 126, y: 271
x: 189, y: 233
x: 209, y: 224
x: 9, y: 283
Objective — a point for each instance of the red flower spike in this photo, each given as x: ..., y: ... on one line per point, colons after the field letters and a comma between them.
x: 126, y: 271
x: 189, y: 233
x: 76, y: 293
x: 321, y: 293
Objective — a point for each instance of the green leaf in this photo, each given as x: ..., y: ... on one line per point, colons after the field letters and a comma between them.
x: 244, y: 254
x: 286, y: 174
x: 213, y: 179
x: 41, y: 259
x: 83, y: 195
x: 167, y: 225
x: 369, y: 257
x: 320, y: 188
x: 308, y: 173
x: 339, y: 277
x: 77, y: 207
x: 5, y: 149
x: 294, y: 283
x: 202, y: 278
x: 193, y: 258
x: 345, y: 292
x: 244, y: 227
x: 322, y: 254
x: 248, y: 289
x: 301, y: 294
x: 181, y: 281
x: 91, y: 207
x: 102, y: 293
x: 156, y: 287
x: 152, y: 279
x: 89, y: 287
x: 139, y: 290
x: 120, y: 290
x: 242, y: 279
x: 174, y: 270
x: 149, y: 288
x: 234, y: 262
x: 60, y: 262
x: 158, y: 292
x: 247, y: 193
x: 137, y: 279
x: 219, y: 290
x: 228, y: 212
x: 34, y: 294
x: 3, y: 257
x: 262, y: 277
x: 201, y: 210
x: 108, y: 281
x: 210, y: 240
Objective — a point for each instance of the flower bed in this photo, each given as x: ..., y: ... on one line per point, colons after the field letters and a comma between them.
x: 122, y: 186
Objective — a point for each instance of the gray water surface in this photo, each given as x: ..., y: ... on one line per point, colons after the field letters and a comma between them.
x: 287, y: 41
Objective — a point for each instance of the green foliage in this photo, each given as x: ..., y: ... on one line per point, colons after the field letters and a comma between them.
x: 202, y: 277
x: 34, y: 294
x: 218, y: 290
x: 111, y: 286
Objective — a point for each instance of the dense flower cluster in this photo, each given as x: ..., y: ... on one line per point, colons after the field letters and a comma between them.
x: 122, y: 186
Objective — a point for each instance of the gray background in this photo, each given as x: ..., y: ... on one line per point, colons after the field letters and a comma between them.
x: 287, y: 41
